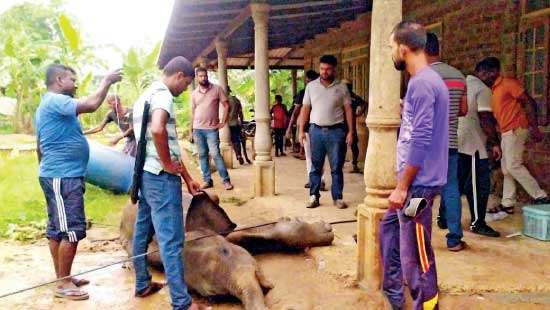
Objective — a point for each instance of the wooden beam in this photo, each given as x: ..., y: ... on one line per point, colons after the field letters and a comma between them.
x: 285, y: 56
x: 229, y: 29
x: 187, y: 32
x: 289, y: 16
x: 210, y: 22
x: 206, y: 2
x: 211, y: 13
x: 306, y: 4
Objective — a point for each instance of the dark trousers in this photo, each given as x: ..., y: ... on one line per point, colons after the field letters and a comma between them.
x: 279, y: 134
x: 450, y: 208
x: 236, y: 139
x: 355, y: 149
x: 474, y: 179
x: 407, y: 254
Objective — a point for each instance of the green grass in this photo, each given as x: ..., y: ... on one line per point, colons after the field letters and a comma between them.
x: 22, y: 201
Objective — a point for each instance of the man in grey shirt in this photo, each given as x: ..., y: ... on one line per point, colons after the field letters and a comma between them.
x: 327, y: 107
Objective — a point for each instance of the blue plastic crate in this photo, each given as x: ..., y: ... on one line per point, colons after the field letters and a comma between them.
x: 536, y: 222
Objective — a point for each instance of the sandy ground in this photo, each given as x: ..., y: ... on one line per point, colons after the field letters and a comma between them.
x: 503, y: 273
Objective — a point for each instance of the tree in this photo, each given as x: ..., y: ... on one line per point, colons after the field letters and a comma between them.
x: 280, y: 83
x: 33, y: 36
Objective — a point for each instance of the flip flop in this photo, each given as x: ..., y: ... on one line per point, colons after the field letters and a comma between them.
x: 71, y: 294
x: 80, y: 282
x: 150, y: 290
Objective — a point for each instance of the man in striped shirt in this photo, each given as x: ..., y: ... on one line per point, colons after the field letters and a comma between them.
x: 450, y: 208
x: 159, y: 210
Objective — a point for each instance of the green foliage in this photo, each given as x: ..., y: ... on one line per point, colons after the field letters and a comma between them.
x: 70, y: 33
x: 140, y: 70
x: 33, y: 36
x: 280, y: 83
x: 183, y: 112
x: 23, y: 208
x: 32, y: 230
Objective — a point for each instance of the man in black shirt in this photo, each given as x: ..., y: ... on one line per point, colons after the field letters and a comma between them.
x: 122, y: 116
x: 359, y: 107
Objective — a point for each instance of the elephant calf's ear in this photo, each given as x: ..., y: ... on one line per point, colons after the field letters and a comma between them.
x: 204, y: 213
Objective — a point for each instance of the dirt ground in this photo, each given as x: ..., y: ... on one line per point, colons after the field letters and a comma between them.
x: 503, y: 273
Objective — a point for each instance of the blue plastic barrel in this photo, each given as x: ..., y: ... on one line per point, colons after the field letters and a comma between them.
x: 109, y: 168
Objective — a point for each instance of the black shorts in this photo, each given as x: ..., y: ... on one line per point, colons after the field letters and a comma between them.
x: 65, y: 201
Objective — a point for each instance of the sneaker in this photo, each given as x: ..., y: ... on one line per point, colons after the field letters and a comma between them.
x: 457, y: 248
x: 340, y: 204
x: 323, y: 187
x: 241, y: 161
x: 491, y: 217
x: 441, y: 223
x: 313, y: 202
x: 206, y: 185
x: 485, y: 230
x: 227, y: 185
x: 542, y: 201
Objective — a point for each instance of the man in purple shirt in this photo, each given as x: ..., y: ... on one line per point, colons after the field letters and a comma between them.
x: 422, y: 156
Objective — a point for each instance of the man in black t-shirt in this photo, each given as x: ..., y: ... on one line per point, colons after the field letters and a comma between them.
x: 359, y: 108
x: 122, y: 116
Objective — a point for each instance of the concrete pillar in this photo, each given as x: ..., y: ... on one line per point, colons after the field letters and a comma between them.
x: 264, y: 182
x: 293, y: 73
x: 383, y: 121
x: 225, y: 135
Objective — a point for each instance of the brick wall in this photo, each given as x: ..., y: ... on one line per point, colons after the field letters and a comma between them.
x: 472, y: 30
x: 352, y: 33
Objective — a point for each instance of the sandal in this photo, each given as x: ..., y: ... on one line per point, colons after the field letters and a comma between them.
x: 71, y: 294
x: 80, y: 282
x: 150, y: 290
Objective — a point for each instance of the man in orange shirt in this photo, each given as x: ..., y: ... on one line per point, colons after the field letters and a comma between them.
x: 514, y: 111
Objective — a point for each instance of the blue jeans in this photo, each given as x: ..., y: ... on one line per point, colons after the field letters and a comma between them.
x: 160, y: 212
x: 329, y: 142
x: 450, y: 209
x: 208, y: 142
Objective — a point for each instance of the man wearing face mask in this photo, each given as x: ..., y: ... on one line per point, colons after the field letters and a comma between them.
x: 327, y: 107
x: 422, y: 155
x: 63, y: 156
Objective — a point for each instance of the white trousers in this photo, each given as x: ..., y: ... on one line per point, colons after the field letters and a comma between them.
x: 513, y: 146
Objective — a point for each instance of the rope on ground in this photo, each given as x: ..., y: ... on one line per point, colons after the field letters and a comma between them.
x: 144, y: 254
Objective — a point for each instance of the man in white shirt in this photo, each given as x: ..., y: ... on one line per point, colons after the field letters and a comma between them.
x: 476, y: 130
x: 327, y: 107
